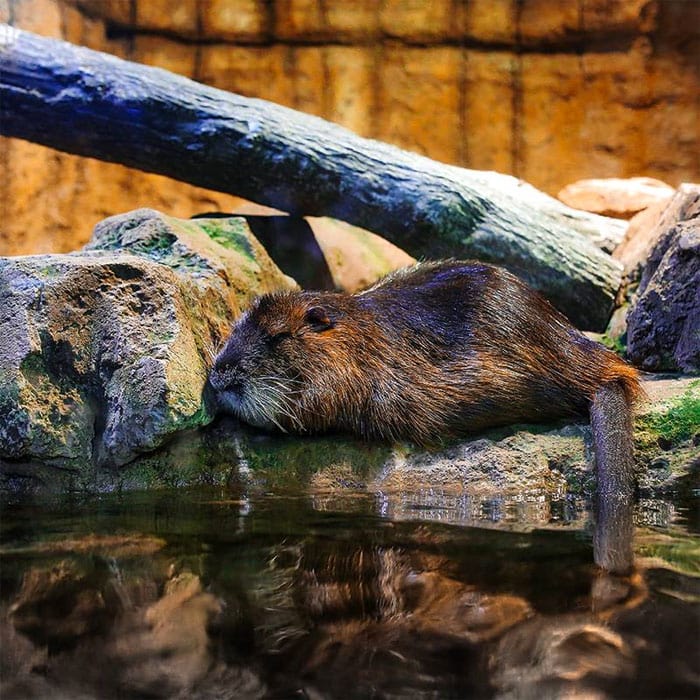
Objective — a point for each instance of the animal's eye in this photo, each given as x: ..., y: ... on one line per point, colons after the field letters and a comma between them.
x: 317, y: 318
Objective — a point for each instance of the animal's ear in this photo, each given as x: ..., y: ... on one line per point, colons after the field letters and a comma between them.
x: 317, y: 317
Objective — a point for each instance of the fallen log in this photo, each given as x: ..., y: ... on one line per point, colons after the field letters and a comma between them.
x: 96, y: 105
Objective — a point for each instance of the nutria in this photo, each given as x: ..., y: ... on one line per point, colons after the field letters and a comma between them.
x: 437, y: 350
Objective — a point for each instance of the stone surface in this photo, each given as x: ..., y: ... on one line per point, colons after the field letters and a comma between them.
x: 617, y: 81
x: 641, y: 236
x: 522, y: 469
x: 321, y: 252
x: 621, y: 198
x: 663, y: 327
x: 667, y: 432
x: 51, y: 200
x: 243, y: 20
x: 522, y: 462
x: 429, y: 77
x: 106, y: 352
x: 356, y: 258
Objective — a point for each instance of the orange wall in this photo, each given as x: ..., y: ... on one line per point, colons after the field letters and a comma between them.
x: 548, y: 90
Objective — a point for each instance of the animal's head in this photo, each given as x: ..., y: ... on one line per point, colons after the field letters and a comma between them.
x: 275, y: 364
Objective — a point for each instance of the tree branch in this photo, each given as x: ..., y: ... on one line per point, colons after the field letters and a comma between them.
x: 92, y: 104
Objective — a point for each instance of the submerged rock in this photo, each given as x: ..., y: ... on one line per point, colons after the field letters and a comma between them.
x: 104, y: 352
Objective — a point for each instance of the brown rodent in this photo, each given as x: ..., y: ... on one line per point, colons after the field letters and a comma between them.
x: 432, y: 351
x: 436, y: 350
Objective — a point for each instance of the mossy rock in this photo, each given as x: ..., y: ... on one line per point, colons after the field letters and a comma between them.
x: 105, y: 352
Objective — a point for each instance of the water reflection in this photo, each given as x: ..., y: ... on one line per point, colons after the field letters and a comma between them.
x: 212, y: 594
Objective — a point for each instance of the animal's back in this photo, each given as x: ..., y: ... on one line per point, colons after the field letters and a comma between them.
x: 497, y: 351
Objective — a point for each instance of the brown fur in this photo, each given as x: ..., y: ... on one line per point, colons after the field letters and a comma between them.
x: 436, y: 350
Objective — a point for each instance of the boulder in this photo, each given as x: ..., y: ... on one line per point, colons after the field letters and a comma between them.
x: 320, y: 252
x: 663, y: 327
x: 355, y: 257
x: 621, y: 198
x: 105, y: 352
x: 640, y: 238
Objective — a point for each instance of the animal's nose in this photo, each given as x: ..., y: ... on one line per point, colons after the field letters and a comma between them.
x: 229, y: 359
x: 225, y: 378
x: 225, y: 374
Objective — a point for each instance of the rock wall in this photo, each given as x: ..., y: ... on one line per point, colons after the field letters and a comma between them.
x: 548, y: 90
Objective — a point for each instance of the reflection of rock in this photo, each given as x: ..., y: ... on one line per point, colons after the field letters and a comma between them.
x: 18, y: 659
x: 166, y: 649
x: 663, y: 325
x: 104, y: 352
x: 331, y: 607
x: 113, y: 546
x: 552, y: 658
x: 66, y: 602
x: 157, y: 651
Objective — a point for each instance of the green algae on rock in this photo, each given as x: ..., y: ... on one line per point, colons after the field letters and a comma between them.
x: 667, y: 433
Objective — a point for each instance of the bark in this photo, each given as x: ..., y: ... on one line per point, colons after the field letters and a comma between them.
x: 89, y: 103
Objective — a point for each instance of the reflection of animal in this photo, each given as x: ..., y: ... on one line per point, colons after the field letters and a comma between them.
x: 436, y: 350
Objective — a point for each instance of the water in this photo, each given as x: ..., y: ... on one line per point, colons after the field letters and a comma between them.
x: 230, y: 591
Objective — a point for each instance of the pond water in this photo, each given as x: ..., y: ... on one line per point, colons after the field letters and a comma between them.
x: 232, y: 592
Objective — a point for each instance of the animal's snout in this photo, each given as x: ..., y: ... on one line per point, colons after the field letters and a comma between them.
x: 226, y: 372
x: 222, y: 380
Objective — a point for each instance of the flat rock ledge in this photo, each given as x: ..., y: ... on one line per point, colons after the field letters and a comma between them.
x: 521, y: 470
x: 105, y: 352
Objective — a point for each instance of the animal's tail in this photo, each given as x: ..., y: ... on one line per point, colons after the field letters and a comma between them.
x: 611, y: 423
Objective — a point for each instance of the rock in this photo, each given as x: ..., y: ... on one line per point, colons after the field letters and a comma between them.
x: 320, y: 252
x: 65, y: 602
x: 663, y: 327
x: 105, y: 352
x: 616, y: 332
x: 356, y: 258
x: 621, y: 198
x: 518, y: 463
x: 641, y: 236
x: 523, y: 468
x: 290, y: 242
x: 666, y: 431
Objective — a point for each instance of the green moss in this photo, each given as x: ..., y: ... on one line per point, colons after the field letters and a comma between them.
x: 33, y: 365
x: 289, y: 462
x: 674, y: 421
x: 614, y: 344
x: 230, y: 233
